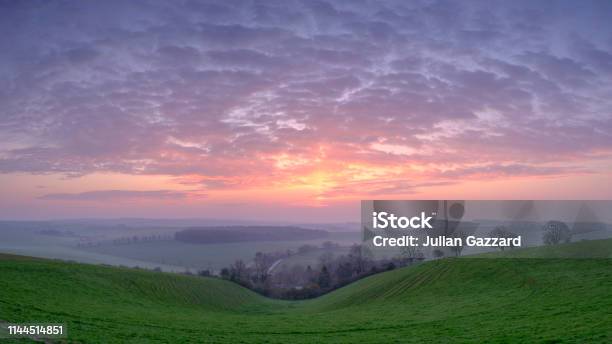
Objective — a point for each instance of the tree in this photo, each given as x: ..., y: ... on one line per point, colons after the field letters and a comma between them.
x: 344, y: 271
x: 238, y: 271
x: 310, y: 275
x: 225, y: 273
x: 556, y: 232
x: 359, y: 256
x: 457, y: 249
x: 262, y: 264
x: 502, y: 232
x: 438, y: 253
x: 324, y: 278
x: 306, y: 248
x: 410, y: 252
x: 329, y: 245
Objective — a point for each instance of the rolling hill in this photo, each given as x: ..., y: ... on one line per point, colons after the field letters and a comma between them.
x: 450, y: 300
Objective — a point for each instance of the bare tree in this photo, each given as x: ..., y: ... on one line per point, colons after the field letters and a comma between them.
x: 359, y: 256
x: 262, y: 265
x: 238, y: 271
x: 556, y: 232
x: 457, y: 249
x: 502, y: 232
x: 410, y: 253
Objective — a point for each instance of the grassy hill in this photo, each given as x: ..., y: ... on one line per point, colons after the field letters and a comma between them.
x: 581, y: 249
x: 450, y: 300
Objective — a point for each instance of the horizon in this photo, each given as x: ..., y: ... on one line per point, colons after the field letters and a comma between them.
x: 239, y: 222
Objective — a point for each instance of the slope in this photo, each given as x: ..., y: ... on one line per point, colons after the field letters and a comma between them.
x: 456, y: 300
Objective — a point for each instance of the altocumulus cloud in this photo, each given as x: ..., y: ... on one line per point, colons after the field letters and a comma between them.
x: 225, y: 89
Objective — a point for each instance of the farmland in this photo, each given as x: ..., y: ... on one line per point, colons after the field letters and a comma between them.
x: 27, y: 239
x: 449, y: 300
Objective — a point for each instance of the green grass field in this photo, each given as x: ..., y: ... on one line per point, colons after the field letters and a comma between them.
x: 500, y: 300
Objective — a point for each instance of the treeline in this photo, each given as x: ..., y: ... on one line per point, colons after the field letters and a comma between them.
x: 141, y: 238
x: 126, y: 240
x: 229, y: 234
x: 301, y: 282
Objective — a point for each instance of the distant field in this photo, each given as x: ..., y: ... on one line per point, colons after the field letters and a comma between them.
x: 448, y: 300
x: 231, y: 234
x: 26, y: 239
x: 29, y: 242
x: 213, y: 256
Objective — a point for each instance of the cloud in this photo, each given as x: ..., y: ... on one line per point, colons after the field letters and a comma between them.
x: 376, y: 188
x: 221, y: 90
x: 116, y: 195
x: 510, y: 170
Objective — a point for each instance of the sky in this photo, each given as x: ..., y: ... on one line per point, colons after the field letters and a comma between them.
x: 296, y: 110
